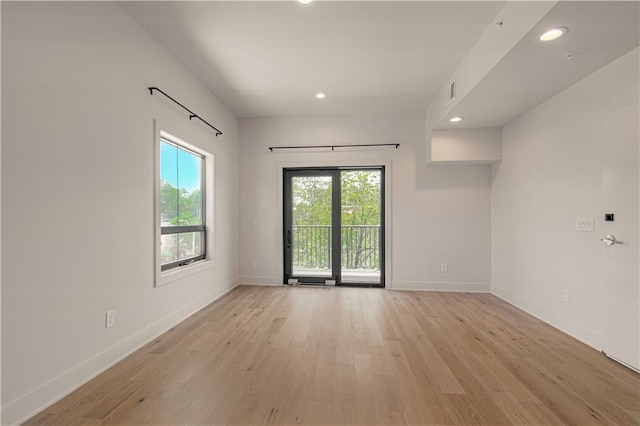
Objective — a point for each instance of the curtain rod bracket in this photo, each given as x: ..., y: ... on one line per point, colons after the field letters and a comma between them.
x: 192, y: 114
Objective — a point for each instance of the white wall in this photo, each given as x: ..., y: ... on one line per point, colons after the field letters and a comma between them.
x: 0, y: 231
x: 551, y: 174
x: 78, y: 194
x: 438, y: 215
x: 460, y: 146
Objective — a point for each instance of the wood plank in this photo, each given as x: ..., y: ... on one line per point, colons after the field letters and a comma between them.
x: 302, y: 355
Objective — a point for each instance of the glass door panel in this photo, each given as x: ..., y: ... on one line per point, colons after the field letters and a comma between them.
x: 311, y: 211
x: 361, y: 214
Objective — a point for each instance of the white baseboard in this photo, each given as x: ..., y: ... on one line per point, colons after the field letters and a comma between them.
x: 395, y: 285
x: 568, y: 326
x: 440, y: 286
x: 38, y: 399
x: 267, y: 281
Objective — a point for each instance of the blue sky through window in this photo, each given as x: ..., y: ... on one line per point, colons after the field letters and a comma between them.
x: 180, y: 168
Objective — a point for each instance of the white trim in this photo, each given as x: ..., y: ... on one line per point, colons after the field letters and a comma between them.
x: 441, y: 286
x: 336, y: 163
x: 566, y: 325
x: 264, y: 281
x: 21, y: 409
x: 175, y: 274
x: 622, y: 362
x: 166, y: 277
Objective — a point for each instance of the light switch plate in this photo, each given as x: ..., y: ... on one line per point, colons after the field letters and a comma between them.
x: 586, y: 224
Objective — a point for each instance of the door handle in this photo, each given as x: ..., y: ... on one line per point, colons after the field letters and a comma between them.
x: 288, y: 238
x: 610, y: 240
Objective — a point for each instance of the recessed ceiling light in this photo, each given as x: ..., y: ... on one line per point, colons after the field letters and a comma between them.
x: 455, y: 119
x: 320, y: 95
x: 553, y: 34
x: 305, y: 2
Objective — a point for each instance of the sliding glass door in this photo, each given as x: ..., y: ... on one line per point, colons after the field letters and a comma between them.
x: 334, y: 226
x: 309, y: 230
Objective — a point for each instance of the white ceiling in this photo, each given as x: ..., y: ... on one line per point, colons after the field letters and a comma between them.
x: 533, y: 71
x: 269, y: 58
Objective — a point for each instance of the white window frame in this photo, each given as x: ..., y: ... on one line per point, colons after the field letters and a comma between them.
x: 177, y: 273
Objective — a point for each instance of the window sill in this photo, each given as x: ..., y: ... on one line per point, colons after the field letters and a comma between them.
x: 181, y: 272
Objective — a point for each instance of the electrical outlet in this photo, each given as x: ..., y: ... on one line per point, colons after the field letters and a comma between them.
x: 254, y: 263
x: 110, y: 319
x: 566, y: 295
x: 444, y: 268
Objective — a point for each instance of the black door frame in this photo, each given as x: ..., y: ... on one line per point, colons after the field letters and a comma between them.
x: 336, y: 194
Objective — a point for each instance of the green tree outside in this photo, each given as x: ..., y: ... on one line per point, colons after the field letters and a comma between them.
x: 360, y: 217
x: 178, y: 207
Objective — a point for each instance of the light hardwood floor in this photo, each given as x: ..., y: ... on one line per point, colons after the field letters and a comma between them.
x: 302, y: 355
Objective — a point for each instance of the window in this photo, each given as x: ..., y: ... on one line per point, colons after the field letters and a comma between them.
x: 182, y: 203
x: 182, y: 219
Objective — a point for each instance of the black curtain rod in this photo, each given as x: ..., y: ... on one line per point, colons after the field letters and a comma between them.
x: 192, y: 114
x: 271, y: 148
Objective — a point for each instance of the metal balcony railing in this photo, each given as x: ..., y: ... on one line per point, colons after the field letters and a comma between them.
x: 360, y: 247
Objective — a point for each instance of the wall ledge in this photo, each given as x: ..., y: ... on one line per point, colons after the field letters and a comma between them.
x: 487, y: 162
x: 465, y: 146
